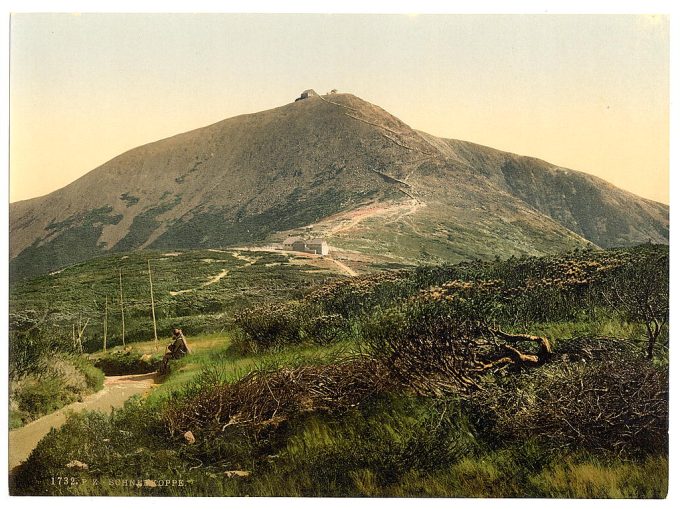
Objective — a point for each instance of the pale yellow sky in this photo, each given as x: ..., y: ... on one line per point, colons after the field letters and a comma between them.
x: 586, y: 92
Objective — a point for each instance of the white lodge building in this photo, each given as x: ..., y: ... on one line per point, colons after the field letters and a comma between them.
x: 314, y: 246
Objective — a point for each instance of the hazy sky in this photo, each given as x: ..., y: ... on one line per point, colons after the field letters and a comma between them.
x: 585, y: 92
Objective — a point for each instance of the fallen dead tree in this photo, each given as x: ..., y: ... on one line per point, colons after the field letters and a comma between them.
x: 435, y: 352
x: 265, y: 399
x: 593, y: 396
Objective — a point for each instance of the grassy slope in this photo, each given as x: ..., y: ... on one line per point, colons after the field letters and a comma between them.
x: 427, y: 236
x: 216, y: 352
x: 363, y: 453
x: 78, y: 293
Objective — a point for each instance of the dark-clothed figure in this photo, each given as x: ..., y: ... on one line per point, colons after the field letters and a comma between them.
x: 178, y: 348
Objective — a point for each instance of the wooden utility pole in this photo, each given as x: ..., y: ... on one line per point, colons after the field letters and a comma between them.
x: 122, y: 310
x: 106, y: 319
x: 153, y: 309
x: 80, y: 334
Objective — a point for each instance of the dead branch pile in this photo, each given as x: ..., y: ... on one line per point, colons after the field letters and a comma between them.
x: 266, y: 399
x: 619, y: 405
x: 589, y: 349
x: 434, y: 353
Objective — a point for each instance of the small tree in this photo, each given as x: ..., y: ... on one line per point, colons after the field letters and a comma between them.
x: 640, y: 292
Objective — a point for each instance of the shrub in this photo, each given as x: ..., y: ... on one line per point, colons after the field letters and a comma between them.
x: 128, y: 363
x: 94, y: 377
x: 440, y: 347
x: 271, y: 325
x: 640, y: 291
x: 128, y: 443
x: 67, y: 378
x: 32, y: 343
x: 42, y: 396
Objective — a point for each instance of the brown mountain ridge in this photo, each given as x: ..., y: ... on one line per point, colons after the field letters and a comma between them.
x: 333, y: 166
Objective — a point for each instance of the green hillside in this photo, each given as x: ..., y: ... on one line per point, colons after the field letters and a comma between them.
x: 524, y: 377
x: 197, y: 290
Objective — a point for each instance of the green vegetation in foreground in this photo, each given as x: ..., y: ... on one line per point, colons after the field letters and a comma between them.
x: 217, y: 354
x: 67, y: 378
x: 399, y: 441
x: 392, y: 446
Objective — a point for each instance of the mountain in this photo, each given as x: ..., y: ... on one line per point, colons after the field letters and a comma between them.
x: 333, y: 166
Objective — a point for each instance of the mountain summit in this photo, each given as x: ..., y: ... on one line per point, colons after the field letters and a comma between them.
x: 334, y: 166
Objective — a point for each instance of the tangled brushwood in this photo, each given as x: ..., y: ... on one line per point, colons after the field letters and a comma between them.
x: 435, y: 350
x: 594, y: 395
x: 265, y: 399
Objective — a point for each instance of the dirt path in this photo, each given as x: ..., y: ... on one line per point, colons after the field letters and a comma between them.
x: 117, y: 389
x: 216, y: 278
x: 344, y: 267
x: 249, y: 261
x: 325, y: 262
x: 347, y: 221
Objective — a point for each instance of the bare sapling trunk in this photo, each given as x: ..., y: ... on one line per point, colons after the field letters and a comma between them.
x: 106, y: 320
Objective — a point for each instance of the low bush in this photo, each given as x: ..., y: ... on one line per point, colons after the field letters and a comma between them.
x: 128, y: 363
x: 66, y: 379
x: 41, y: 396
x: 438, y: 347
x: 32, y: 343
x: 130, y: 443
x: 271, y: 325
x: 94, y: 377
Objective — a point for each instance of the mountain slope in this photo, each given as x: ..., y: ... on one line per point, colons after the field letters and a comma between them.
x: 334, y: 165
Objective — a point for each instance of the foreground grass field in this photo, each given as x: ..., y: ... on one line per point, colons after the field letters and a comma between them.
x: 388, y: 446
x: 216, y: 353
x: 359, y: 388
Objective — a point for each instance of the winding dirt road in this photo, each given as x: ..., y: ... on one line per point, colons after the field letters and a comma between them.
x: 117, y: 389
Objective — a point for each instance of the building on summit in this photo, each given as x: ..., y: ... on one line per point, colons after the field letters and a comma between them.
x: 306, y: 94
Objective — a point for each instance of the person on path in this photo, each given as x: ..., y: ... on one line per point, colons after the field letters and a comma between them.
x: 175, y: 350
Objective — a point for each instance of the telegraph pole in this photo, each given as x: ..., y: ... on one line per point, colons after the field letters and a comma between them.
x: 106, y: 319
x: 153, y: 309
x: 122, y: 310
